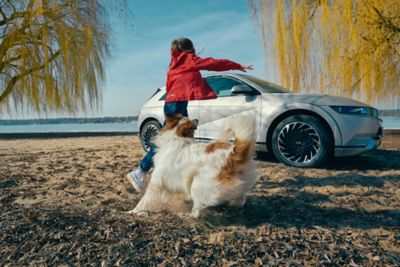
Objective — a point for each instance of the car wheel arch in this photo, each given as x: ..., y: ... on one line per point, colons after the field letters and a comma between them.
x: 146, y: 121
x: 292, y: 112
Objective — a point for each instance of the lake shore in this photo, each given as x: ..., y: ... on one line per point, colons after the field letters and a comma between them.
x: 62, y: 201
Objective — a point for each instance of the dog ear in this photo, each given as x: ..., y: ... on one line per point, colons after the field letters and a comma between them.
x: 186, y: 129
x: 171, y: 121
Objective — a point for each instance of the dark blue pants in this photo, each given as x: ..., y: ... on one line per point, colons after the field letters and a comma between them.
x: 171, y: 108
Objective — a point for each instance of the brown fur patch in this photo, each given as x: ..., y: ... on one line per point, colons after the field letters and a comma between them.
x: 171, y: 122
x: 237, y: 161
x: 210, y: 148
x: 186, y: 129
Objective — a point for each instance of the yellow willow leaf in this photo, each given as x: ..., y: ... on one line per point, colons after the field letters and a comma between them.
x: 296, y: 34
x: 49, y: 85
x: 281, y: 41
x: 35, y: 95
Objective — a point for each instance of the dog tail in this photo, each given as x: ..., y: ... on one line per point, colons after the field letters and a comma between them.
x: 243, y: 128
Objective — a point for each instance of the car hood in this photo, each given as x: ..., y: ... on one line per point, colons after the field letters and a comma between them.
x: 321, y: 100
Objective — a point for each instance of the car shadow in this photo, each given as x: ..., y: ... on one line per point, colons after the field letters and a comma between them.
x: 266, y: 156
x: 339, y: 180
x: 374, y: 160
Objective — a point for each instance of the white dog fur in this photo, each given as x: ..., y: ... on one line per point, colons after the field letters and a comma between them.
x: 209, y: 174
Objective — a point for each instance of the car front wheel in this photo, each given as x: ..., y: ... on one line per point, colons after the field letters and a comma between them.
x: 302, y: 141
x: 148, y: 132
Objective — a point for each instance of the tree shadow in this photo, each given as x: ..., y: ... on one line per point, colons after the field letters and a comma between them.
x: 299, y: 211
x: 304, y: 209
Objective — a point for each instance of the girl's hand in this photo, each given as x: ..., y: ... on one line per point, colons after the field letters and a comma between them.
x: 247, y: 67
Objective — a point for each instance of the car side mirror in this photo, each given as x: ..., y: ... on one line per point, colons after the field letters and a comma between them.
x: 241, y: 89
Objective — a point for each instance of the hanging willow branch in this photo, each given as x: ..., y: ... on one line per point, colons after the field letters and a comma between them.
x: 52, y: 54
x: 346, y: 47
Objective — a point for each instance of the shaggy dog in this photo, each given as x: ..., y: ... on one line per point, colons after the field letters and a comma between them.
x: 209, y: 174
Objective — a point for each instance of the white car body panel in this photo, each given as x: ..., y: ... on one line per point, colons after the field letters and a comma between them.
x: 215, y: 113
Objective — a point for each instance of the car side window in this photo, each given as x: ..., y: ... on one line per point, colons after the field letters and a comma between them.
x: 222, y: 86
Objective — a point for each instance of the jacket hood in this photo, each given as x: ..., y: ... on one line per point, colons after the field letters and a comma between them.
x: 178, y: 57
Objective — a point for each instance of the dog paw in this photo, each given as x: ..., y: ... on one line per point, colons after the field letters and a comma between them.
x: 143, y: 213
x: 183, y: 215
x: 195, y: 214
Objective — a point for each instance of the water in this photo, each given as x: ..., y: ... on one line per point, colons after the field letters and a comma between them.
x: 388, y: 123
x: 70, y: 127
x: 391, y: 122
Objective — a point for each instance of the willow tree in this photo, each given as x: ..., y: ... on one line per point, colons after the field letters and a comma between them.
x: 52, y: 54
x: 346, y: 47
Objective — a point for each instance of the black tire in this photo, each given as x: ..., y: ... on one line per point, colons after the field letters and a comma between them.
x: 302, y: 141
x: 149, y: 130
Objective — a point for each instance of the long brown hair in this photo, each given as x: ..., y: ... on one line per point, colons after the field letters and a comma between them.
x: 183, y: 44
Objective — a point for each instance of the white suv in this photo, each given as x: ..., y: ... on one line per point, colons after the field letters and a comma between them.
x: 302, y: 130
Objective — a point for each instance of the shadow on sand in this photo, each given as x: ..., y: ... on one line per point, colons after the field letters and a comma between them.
x: 375, y: 160
x: 300, y: 211
x: 304, y: 209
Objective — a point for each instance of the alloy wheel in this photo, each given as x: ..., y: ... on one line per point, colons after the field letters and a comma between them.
x: 299, y: 142
x: 148, y: 134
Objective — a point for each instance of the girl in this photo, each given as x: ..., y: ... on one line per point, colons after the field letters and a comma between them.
x: 184, y: 83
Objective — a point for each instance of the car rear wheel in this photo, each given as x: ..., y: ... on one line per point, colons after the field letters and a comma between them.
x: 148, y: 132
x: 302, y: 141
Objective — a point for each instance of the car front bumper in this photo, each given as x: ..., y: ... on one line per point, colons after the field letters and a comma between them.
x: 369, y: 143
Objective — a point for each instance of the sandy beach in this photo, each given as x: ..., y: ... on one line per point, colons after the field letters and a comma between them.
x: 62, y: 202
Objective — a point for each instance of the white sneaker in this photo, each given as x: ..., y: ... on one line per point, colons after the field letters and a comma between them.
x: 136, y: 179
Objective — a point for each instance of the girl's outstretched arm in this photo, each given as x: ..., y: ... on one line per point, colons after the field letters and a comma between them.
x: 218, y: 64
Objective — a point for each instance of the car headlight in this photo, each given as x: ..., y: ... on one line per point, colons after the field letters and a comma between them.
x: 356, y: 110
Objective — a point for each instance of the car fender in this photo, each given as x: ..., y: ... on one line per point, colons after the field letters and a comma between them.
x: 305, y: 106
x: 152, y: 115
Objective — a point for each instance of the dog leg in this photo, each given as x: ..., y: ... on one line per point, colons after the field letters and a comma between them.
x: 152, y: 201
x: 197, y: 209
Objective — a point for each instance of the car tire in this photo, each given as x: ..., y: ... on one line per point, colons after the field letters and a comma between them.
x: 149, y: 130
x: 302, y: 141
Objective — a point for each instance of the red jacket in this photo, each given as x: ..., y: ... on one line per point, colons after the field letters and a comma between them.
x: 184, y: 81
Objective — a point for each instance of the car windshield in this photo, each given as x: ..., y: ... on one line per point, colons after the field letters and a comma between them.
x: 267, y: 86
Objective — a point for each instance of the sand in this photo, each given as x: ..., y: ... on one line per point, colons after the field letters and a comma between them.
x: 62, y: 202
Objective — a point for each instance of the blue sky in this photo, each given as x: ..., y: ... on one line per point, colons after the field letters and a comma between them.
x: 140, y: 48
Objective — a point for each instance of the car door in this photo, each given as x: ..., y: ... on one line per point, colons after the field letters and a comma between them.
x: 215, y: 113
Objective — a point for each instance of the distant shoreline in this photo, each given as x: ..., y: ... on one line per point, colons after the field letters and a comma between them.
x: 127, y: 119
x: 52, y: 135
